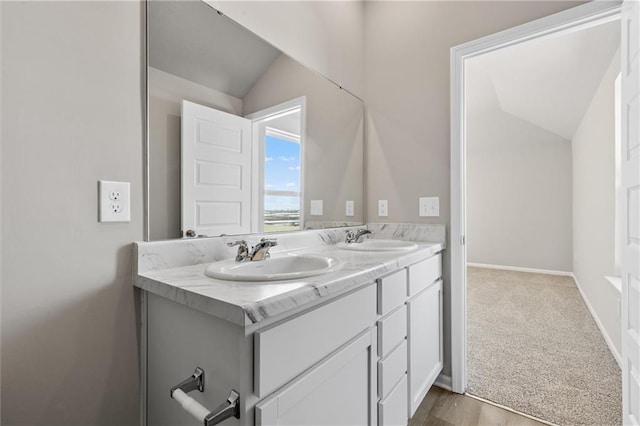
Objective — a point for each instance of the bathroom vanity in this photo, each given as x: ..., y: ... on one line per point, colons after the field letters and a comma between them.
x: 358, y: 345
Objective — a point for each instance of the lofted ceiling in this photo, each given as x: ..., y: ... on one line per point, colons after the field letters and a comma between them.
x: 548, y: 82
x: 191, y: 40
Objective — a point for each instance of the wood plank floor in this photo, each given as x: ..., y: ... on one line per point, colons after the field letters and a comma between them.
x: 444, y: 408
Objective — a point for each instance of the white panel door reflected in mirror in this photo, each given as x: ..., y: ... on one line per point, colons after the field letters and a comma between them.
x: 216, y: 172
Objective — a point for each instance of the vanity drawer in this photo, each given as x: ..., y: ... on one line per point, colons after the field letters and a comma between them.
x: 392, y: 292
x: 392, y: 330
x: 287, y: 349
x: 424, y: 273
x: 391, y: 369
x: 392, y: 410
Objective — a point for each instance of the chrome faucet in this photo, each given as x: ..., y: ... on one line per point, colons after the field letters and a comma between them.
x: 243, y: 250
x: 354, y: 237
x: 261, y: 250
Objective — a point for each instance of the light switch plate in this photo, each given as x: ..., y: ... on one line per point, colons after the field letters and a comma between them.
x: 383, y: 208
x: 429, y: 206
x: 114, y: 201
x: 350, y: 208
x: 316, y: 208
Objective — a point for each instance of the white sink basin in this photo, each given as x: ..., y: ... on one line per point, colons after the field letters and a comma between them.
x: 283, y: 267
x: 379, y: 245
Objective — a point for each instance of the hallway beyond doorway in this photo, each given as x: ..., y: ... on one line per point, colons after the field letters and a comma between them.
x: 533, y: 346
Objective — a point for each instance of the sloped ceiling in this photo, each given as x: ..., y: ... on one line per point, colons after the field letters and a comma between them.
x: 191, y: 40
x: 548, y: 82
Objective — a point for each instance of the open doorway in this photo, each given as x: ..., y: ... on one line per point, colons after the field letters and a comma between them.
x: 540, y: 162
x: 466, y: 230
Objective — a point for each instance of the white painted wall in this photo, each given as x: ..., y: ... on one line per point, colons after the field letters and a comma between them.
x: 518, y: 193
x: 594, y: 205
x: 72, y: 113
x: 407, y: 100
x: 166, y: 92
x: 325, y: 36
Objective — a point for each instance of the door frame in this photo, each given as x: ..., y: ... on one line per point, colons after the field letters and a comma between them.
x: 259, y: 122
x: 574, y: 19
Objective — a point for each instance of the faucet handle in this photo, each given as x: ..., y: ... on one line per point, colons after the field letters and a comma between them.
x: 354, y: 236
x: 237, y: 243
x: 243, y: 249
x: 261, y: 250
x: 270, y: 242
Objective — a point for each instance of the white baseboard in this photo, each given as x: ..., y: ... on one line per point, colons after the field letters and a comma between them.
x: 443, y: 381
x: 519, y: 269
x: 606, y: 337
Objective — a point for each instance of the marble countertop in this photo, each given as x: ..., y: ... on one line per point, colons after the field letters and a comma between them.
x: 174, y: 270
x: 246, y: 303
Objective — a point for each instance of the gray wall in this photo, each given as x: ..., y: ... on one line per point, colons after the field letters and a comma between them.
x: 518, y: 193
x: 407, y: 100
x: 72, y: 114
x: 594, y: 204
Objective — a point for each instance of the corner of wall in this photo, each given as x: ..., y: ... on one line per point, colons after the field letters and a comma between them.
x: 605, y: 334
x: 593, y: 193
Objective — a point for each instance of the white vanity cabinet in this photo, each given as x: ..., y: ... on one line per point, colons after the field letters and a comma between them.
x: 366, y: 357
x: 409, y: 338
x: 392, y: 365
x: 316, y: 367
x: 336, y: 390
x: 424, y: 308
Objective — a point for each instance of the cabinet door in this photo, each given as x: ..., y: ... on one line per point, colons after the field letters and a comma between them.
x: 392, y: 410
x: 338, y: 391
x: 425, y: 342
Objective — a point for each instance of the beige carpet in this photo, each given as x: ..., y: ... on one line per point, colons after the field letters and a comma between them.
x: 533, y: 346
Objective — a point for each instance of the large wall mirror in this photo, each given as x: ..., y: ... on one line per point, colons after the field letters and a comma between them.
x: 241, y: 137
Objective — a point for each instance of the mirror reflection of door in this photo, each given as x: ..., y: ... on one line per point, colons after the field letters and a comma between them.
x: 241, y: 175
x: 216, y: 172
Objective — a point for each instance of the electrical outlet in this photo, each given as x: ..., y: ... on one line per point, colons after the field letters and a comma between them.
x: 429, y: 206
x: 114, y: 201
x: 383, y: 208
x: 316, y: 208
x: 350, y: 208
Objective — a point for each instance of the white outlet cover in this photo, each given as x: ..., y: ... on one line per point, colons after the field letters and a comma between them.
x: 429, y: 206
x: 383, y: 208
x: 316, y: 208
x: 115, y: 201
x: 350, y: 208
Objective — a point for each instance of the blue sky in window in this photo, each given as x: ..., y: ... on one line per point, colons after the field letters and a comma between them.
x: 281, y: 173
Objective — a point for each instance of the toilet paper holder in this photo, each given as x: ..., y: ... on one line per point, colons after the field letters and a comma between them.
x: 229, y: 408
